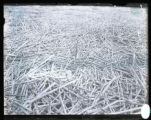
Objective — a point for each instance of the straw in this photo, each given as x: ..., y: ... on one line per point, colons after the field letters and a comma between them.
x: 80, y: 60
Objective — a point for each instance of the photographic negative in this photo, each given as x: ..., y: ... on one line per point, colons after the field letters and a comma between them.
x: 74, y: 60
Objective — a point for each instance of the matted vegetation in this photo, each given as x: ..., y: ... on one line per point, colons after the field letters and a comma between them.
x: 75, y: 60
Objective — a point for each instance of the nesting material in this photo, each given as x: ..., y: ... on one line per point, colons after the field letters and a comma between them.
x: 75, y: 60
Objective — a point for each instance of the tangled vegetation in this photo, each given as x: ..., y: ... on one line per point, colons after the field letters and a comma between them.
x: 75, y: 60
